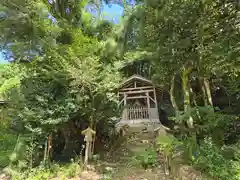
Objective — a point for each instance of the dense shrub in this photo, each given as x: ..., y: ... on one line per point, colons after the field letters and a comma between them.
x: 40, y: 173
x: 7, y: 142
x: 147, y: 158
x: 211, y: 160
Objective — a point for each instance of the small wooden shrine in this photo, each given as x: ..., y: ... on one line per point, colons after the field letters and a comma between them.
x: 138, y: 96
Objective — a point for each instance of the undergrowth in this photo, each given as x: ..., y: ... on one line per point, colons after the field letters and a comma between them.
x: 7, y: 142
x: 41, y: 173
x: 147, y: 158
x: 212, y: 161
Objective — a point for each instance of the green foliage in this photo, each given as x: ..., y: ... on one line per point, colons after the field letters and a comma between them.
x: 10, y: 76
x: 67, y: 171
x: 211, y: 160
x: 63, y: 86
x: 168, y: 144
x: 72, y: 170
x: 30, y: 27
x: 207, y: 123
x: 72, y: 68
x: 7, y: 141
x: 22, y: 155
x: 147, y: 158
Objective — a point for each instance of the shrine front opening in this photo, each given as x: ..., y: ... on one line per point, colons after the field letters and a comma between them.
x: 138, y: 98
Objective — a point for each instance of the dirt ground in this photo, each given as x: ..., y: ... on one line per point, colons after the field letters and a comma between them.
x: 122, y: 166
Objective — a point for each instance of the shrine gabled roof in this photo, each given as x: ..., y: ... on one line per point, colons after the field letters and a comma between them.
x: 147, y: 82
x: 135, y: 77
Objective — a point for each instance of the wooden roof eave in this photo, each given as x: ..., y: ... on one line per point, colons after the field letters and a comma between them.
x: 158, y: 90
x: 135, y: 77
x: 3, y: 102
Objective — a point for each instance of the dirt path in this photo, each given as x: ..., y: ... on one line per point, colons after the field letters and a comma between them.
x: 122, y: 166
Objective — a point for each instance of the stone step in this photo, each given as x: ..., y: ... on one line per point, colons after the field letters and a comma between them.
x: 143, y: 128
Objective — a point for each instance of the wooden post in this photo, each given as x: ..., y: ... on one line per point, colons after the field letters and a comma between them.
x: 88, y: 139
x: 156, y: 103
x: 125, y: 109
x: 155, y: 98
x: 94, y: 138
x: 148, y: 104
x: 87, y: 148
x: 125, y: 99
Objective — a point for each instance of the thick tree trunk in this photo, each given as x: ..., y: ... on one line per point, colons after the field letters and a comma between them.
x: 208, y: 91
x: 200, y: 80
x: 66, y: 139
x: 172, y: 97
x: 193, y: 97
x: 68, y: 131
x: 49, y: 152
x: 186, y: 91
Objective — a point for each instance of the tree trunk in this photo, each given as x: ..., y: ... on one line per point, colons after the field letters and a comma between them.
x: 66, y: 139
x: 208, y: 91
x: 172, y: 97
x: 203, y: 91
x: 45, y: 154
x: 68, y: 130
x: 49, y: 151
x: 186, y: 91
x: 67, y: 151
x: 193, y: 97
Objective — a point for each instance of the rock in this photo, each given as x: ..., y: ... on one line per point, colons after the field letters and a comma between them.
x: 109, y: 169
x: 90, y: 168
x: 106, y: 177
x: 144, y: 141
x: 96, y: 157
x: 148, y: 170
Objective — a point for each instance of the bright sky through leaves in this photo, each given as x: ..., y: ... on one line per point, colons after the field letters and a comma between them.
x: 112, y: 12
